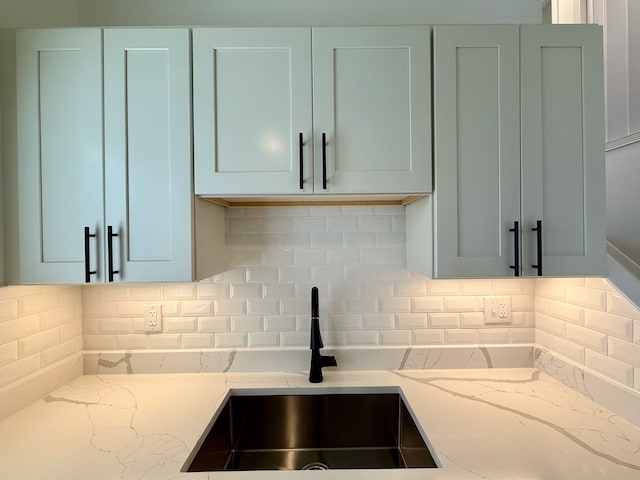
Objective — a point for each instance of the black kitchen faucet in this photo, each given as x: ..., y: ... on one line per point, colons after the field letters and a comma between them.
x: 317, y: 360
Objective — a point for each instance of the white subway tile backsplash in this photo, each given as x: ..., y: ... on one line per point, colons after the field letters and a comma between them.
x: 636, y: 376
x: 636, y: 331
x: 463, y: 304
x: 326, y: 240
x: 60, y: 352
x: 294, y: 240
x: 453, y: 337
x: 443, y: 287
x: 409, y: 321
x: 21, y: 327
x: 618, y: 305
x: 428, y: 337
x: 327, y: 273
x: 8, y: 309
x: 347, y: 321
x: 342, y: 224
x: 111, y: 326
x: 361, y: 305
x: 522, y: 335
x: 475, y: 286
x: 472, y: 320
x: 343, y: 257
x: 377, y: 256
x: 360, y: 338
x: 610, y: 324
x: 592, y: 340
x: 308, y: 257
x: 214, y: 324
x: 19, y: 370
x: 443, y: 320
x: 428, y: 304
x: 277, y: 224
x: 294, y: 339
x: 245, y: 290
x: 99, y: 342
x: 196, y: 308
x: 381, y: 321
x: 130, y: 309
x: 247, y: 324
x: 263, y: 307
x: 244, y: 225
x: 230, y: 340
x: 180, y: 324
x: 380, y: 223
x: 587, y: 297
x: 566, y: 311
x: 197, y: 340
x: 212, y: 290
x: 551, y: 324
x: 411, y: 288
x: 37, y: 303
x: 359, y: 240
x: 279, y: 323
x: 278, y: 257
x: 37, y: 342
x: 609, y: 367
x: 391, y: 239
x: 8, y: 353
x: 395, y: 304
x: 262, y: 274
x: 565, y: 348
x: 624, y: 351
x: 169, y: 341
x: 310, y: 224
x: 395, y: 337
x: 59, y: 316
x: 492, y: 335
x: 146, y: 292
x: 550, y: 288
x: 263, y: 339
x: 279, y: 290
x: 135, y: 341
x: 180, y: 291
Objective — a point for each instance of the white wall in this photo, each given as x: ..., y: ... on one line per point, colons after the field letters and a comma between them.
x: 306, y: 12
x: 39, y: 13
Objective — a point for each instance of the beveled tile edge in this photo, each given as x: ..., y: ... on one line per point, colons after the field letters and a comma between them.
x: 612, y: 395
x: 18, y: 395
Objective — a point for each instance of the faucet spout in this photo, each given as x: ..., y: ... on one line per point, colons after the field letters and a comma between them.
x: 318, y: 361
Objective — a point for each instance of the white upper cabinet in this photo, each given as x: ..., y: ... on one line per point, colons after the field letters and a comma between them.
x: 563, y: 170
x: 102, y: 202
x: 252, y: 110
x: 259, y: 128
x: 372, y: 110
x: 519, y: 142
x: 59, y: 165
x: 147, y: 125
x: 477, y: 150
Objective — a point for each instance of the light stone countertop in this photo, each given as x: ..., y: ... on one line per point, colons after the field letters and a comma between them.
x: 482, y: 424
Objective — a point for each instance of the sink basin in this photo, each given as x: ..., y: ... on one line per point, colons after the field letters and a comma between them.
x: 311, y: 431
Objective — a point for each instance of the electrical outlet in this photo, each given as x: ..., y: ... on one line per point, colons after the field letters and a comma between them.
x: 153, y: 318
x: 497, y: 310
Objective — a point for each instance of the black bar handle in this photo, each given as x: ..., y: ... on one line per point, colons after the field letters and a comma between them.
x: 87, y: 255
x: 110, y: 236
x: 516, y: 248
x: 324, y: 161
x: 300, y: 144
x: 538, y: 230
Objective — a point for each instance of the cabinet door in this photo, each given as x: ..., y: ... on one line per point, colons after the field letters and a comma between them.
x: 371, y: 101
x: 477, y: 150
x: 59, y: 103
x: 148, y: 200
x: 563, y: 149
x: 252, y: 100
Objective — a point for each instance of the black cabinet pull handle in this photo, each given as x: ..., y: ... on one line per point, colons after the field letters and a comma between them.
x: 516, y: 248
x: 110, y: 236
x: 324, y: 161
x: 87, y: 257
x: 538, y: 230
x: 300, y: 144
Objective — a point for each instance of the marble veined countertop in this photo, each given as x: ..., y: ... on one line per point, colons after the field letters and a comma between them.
x: 482, y: 424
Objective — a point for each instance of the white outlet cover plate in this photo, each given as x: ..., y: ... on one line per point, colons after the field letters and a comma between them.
x: 153, y: 318
x: 492, y: 310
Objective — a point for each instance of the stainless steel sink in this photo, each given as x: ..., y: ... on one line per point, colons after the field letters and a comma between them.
x: 337, y: 430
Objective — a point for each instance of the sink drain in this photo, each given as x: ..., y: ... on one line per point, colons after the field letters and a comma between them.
x: 315, y: 466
